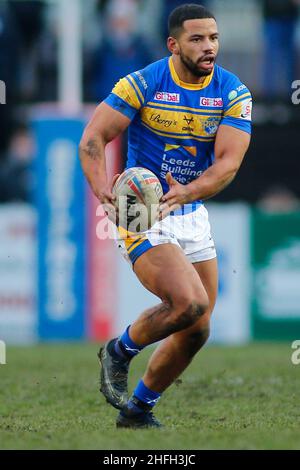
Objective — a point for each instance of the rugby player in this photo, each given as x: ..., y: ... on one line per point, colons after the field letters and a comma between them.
x: 190, y: 123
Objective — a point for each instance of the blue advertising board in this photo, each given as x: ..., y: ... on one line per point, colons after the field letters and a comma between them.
x: 60, y: 198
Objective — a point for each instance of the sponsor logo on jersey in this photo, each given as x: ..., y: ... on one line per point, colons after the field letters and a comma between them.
x: 142, y: 80
x: 211, y: 102
x: 232, y: 95
x: 189, y: 121
x: 169, y: 97
x: 246, y: 110
x: 240, y: 88
x: 155, y: 117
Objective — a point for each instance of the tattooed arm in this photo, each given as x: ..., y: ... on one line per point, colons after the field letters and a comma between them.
x: 105, y: 125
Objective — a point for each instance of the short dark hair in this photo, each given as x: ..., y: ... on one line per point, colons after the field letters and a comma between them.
x: 188, y: 11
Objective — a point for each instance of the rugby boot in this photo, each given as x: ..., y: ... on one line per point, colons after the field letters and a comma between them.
x: 129, y: 418
x: 113, y: 376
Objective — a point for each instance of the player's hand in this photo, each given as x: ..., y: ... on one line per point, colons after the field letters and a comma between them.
x: 174, y: 198
x: 108, y: 200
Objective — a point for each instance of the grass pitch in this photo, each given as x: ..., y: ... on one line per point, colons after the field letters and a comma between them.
x: 229, y: 398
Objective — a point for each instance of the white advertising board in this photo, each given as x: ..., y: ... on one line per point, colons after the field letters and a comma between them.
x: 18, y: 274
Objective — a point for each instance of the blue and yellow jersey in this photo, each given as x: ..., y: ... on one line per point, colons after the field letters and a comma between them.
x: 174, y: 124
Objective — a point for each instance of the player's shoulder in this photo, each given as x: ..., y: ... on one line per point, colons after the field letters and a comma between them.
x: 227, y: 78
x: 135, y: 88
x: 230, y: 84
x: 151, y: 74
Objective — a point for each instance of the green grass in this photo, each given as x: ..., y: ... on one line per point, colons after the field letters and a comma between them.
x: 229, y: 398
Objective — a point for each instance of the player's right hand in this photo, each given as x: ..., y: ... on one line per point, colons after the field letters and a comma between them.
x: 108, y: 200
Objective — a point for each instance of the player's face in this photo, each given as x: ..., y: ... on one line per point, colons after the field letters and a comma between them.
x: 198, y: 46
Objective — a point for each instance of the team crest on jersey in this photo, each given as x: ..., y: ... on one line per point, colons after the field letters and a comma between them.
x: 211, y: 125
x: 166, y: 96
x: 211, y: 102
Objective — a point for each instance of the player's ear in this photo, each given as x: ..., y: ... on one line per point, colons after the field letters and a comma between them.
x: 173, y: 45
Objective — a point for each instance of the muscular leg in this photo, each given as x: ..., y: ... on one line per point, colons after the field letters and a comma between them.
x: 174, y: 354
x: 165, y: 271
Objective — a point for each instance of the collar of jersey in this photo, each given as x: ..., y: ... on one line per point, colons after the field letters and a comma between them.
x: 189, y: 86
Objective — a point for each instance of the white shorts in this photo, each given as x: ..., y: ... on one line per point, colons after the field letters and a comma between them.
x: 190, y: 232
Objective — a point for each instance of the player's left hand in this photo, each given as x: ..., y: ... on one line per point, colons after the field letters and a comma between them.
x: 176, y: 196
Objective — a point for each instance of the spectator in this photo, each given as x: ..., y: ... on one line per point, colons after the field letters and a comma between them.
x: 122, y: 49
x: 29, y: 20
x: 16, y: 173
x: 168, y: 6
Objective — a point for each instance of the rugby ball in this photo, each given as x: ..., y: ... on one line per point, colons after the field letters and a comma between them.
x: 138, y: 192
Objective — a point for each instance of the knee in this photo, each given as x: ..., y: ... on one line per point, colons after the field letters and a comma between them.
x: 188, y: 310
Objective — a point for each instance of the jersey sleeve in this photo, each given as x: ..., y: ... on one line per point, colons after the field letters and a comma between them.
x: 237, y: 105
x: 128, y: 95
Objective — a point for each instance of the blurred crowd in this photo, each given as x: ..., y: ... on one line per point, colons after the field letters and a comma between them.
x: 119, y: 36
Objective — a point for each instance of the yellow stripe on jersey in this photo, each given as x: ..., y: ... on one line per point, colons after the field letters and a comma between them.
x: 244, y: 96
x: 182, y: 124
x: 131, y: 78
x: 235, y: 111
x: 185, y: 108
x: 126, y: 92
x: 164, y: 134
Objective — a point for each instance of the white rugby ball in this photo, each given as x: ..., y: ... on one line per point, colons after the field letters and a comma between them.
x: 138, y: 193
